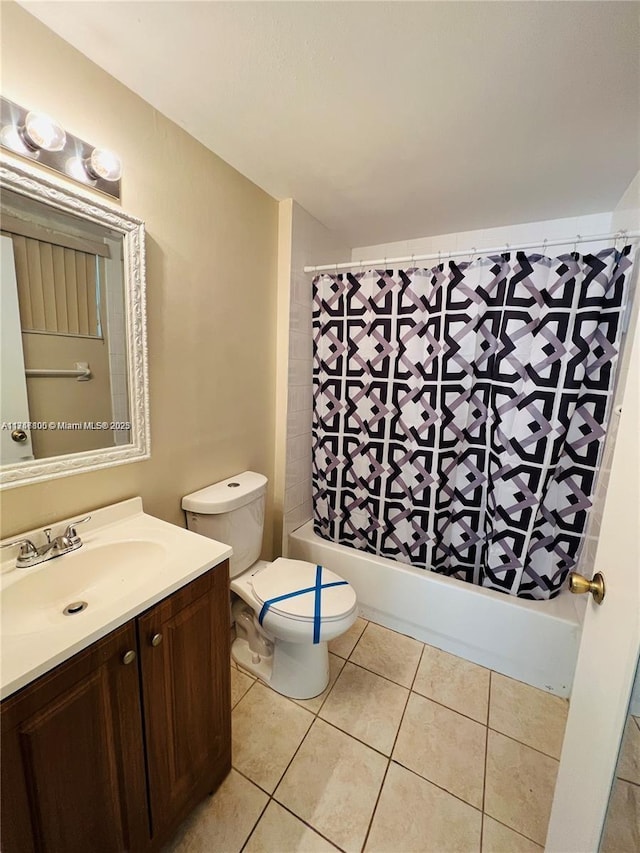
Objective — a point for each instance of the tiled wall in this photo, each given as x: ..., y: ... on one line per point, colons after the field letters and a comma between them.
x: 311, y: 243
x: 528, y: 232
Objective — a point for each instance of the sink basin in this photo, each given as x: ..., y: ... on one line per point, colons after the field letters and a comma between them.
x: 95, y: 574
x: 128, y: 562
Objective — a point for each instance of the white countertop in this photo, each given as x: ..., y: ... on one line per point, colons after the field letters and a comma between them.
x: 38, y: 646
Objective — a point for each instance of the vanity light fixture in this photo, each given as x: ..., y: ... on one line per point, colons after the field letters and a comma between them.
x: 37, y: 137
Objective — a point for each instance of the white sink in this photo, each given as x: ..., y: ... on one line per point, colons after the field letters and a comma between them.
x: 96, y: 576
x: 128, y: 562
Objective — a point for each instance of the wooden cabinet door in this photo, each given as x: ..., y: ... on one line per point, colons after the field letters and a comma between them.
x: 184, y: 652
x: 72, y: 756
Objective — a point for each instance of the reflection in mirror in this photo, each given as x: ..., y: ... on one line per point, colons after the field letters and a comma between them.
x: 63, y: 324
x: 74, y: 386
x: 622, y: 824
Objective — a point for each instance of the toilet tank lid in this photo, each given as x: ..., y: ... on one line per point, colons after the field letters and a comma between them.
x: 227, y: 495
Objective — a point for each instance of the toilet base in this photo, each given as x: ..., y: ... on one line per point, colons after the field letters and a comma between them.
x: 296, y: 670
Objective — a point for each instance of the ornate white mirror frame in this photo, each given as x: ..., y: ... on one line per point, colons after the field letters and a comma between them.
x: 29, y: 182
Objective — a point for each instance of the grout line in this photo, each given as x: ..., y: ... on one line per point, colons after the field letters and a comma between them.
x: 375, y: 808
x: 489, y: 696
x: 404, y: 711
x: 627, y: 781
x: 253, y: 828
x: 486, y: 752
x: 354, y: 737
x: 253, y: 782
x: 541, y: 846
x: 484, y: 785
x: 309, y: 825
x: 522, y: 743
x: 355, y: 645
x: 449, y: 708
x: 377, y: 674
x: 297, y: 750
x: 244, y: 695
x: 415, y: 674
x: 435, y: 785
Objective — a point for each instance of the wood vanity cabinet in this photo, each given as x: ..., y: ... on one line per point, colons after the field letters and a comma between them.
x: 111, y: 750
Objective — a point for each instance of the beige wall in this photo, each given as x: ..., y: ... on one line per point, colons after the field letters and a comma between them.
x: 211, y: 288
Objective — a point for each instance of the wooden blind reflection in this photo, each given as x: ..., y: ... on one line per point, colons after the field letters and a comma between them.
x: 57, y: 288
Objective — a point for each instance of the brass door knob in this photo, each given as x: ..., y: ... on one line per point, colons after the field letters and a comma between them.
x: 19, y: 435
x: 128, y: 657
x: 579, y: 585
x: 156, y: 639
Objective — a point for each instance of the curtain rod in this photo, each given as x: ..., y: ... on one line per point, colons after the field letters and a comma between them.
x: 445, y: 256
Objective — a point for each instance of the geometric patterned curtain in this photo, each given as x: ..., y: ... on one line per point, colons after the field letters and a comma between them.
x: 460, y: 412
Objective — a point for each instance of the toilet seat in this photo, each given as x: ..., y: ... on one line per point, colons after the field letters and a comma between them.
x: 290, y: 588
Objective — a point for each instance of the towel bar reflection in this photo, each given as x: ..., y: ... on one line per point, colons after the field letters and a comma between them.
x: 82, y: 372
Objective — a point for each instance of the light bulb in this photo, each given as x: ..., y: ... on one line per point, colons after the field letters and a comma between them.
x: 103, y: 164
x: 41, y: 131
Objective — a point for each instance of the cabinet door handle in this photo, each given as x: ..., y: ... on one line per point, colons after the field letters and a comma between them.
x: 128, y: 657
x: 156, y: 639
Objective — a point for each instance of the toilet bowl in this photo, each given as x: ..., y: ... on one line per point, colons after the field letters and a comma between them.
x: 287, y: 611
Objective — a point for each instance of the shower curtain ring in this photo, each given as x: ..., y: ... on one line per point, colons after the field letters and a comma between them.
x: 472, y: 255
x: 413, y: 262
x: 575, y: 244
x: 544, y: 246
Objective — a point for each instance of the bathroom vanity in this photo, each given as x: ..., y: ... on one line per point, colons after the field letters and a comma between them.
x: 110, y: 749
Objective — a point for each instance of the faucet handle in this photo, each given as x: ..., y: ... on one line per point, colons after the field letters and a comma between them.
x: 70, y: 532
x: 27, y: 548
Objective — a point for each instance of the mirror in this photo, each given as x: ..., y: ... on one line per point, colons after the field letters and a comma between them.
x: 74, y: 390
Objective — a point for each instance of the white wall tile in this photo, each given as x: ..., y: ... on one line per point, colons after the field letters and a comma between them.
x: 300, y: 346
x: 551, y: 229
x: 299, y: 447
x: 298, y: 470
x: 422, y: 246
x: 300, y: 398
x: 300, y: 318
x: 302, y: 289
x: 297, y: 495
x: 299, y: 423
x: 300, y: 372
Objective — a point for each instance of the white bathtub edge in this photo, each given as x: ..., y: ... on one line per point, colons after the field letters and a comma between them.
x: 485, y: 627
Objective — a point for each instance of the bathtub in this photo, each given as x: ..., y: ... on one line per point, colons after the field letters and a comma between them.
x: 532, y: 641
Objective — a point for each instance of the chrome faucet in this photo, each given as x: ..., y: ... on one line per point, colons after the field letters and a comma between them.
x: 31, y: 555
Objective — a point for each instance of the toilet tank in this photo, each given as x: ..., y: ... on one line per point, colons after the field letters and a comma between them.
x: 232, y: 512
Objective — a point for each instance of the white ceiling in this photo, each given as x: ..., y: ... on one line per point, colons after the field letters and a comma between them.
x: 390, y: 120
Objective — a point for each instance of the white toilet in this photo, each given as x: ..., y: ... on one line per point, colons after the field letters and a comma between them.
x: 289, y: 609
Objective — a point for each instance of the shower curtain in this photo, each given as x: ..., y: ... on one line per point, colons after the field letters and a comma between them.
x: 460, y: 412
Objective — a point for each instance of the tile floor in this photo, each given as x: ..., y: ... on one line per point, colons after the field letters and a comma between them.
x: 408, y: 749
